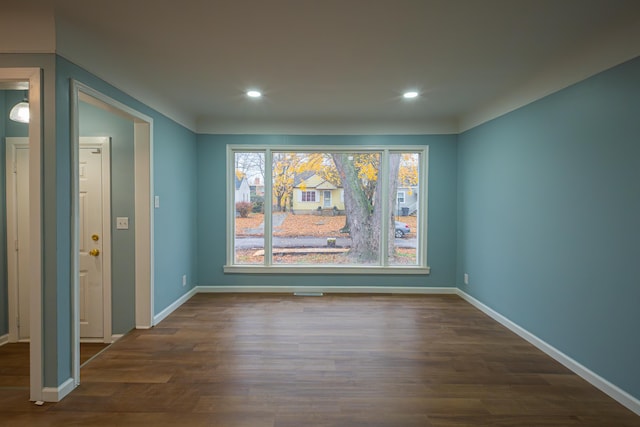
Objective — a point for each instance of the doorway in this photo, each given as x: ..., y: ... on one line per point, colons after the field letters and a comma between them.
x: 31, y: 78
x: 142, y: 215
x: 95, y: 238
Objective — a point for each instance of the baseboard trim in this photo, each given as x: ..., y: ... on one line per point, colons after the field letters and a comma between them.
x: 171, y: 308
x: 594, y: 379
x: 327, y: 289
x: 56, y: 394
x: 4, y: 339
x: 116, y: 337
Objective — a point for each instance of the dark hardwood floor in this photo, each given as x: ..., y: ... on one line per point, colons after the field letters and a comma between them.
x: 349, y: 360
x: 14, y: 363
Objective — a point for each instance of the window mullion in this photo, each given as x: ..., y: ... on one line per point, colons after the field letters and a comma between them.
x: 384, y: 195
x: 268, y: 206
x: 231, y: 206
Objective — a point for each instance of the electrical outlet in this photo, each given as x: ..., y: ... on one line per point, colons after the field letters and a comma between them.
x: 184, y: 280
x: 466, y: 278
x: 122, y: 223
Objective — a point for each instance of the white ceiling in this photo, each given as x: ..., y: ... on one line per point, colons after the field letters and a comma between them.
x: 329, y: 65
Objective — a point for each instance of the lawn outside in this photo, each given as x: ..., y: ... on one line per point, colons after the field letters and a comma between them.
x: 309, y: 225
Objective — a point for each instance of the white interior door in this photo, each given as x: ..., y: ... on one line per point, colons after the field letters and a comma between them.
x: 91, y: 248
x: 94, y: 244
x: 17, y: 173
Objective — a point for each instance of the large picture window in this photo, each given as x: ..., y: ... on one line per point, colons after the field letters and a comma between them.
x: 327, y: 209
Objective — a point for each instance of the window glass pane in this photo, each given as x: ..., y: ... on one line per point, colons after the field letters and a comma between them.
x: 324, y: 208
x: 249, y: 204
x: 405, y: 185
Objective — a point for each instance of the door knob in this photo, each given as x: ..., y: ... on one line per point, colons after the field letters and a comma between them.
x: 95, y: 237
x: 94, y: 252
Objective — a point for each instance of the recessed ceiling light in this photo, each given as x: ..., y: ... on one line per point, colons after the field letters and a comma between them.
x: 254, y: 94
x: 410, y: 95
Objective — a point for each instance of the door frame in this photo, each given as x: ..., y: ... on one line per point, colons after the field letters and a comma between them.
x: 143, y: 217
x: 104, y: 144
x: 34, y: 77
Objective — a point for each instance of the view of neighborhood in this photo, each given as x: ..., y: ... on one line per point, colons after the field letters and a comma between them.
x: 325, y: 208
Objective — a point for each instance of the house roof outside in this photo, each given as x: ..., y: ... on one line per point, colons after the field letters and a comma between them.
x: 239, y: 181
x: 312, y: 180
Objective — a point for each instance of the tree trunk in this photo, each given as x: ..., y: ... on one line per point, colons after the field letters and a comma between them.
x: 365, y: 238
x: 364, y: 217
x: 394, y: 168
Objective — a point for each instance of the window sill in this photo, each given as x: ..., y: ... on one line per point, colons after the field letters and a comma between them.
x: 283, y: 269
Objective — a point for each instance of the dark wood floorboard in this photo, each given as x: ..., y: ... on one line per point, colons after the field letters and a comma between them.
x: 349, y: 360
x: 14, y: 362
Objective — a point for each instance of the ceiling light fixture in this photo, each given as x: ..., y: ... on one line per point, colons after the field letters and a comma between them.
x: 254, y: 94
x: 20, y: 111
x: 410, y: 95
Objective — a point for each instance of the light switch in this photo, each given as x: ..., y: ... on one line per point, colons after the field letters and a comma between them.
x: 122, y: 223
x: 156, y: 201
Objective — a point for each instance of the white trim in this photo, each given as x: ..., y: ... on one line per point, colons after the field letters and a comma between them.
x: 116, y: 337
x: 173, y: 306
x: 143, y: 158
x: 423, y: 207
x: 56, y: 394
x: 329, y: 289
x: 75, y: 233
x: 325, y: 269
x: 382, y: 267
x: 93, y: 340
x: 594, y: 379
x: 143, y: 218
x: 4, y: 339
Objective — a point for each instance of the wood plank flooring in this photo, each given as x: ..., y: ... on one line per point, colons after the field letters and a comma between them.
x: 346, y: 360
x: 14, y: 363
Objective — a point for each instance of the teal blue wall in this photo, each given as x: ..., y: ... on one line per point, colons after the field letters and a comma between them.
x: 441, y: 254
x: 175, y: 163
x: 95, y: 121
x: 549, y: 220
x: 174, y: 158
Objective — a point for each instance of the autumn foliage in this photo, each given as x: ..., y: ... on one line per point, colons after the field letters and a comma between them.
x: 244, y: 209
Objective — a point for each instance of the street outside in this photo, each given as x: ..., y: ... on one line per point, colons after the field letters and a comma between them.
x: 308, y: 231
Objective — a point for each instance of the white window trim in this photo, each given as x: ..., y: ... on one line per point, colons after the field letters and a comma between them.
x: 403, y: 197
x: 421, y: 268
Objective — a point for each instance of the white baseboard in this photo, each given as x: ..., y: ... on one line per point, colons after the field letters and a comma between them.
x: 116, y: 337
x: 177, y: 303
x: 327, y: 289
x: 4, y: 339
x: 56, y: 394
x: 594, y: 379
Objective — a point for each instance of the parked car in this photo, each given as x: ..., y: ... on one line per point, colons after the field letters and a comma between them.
x: 402, y: 229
